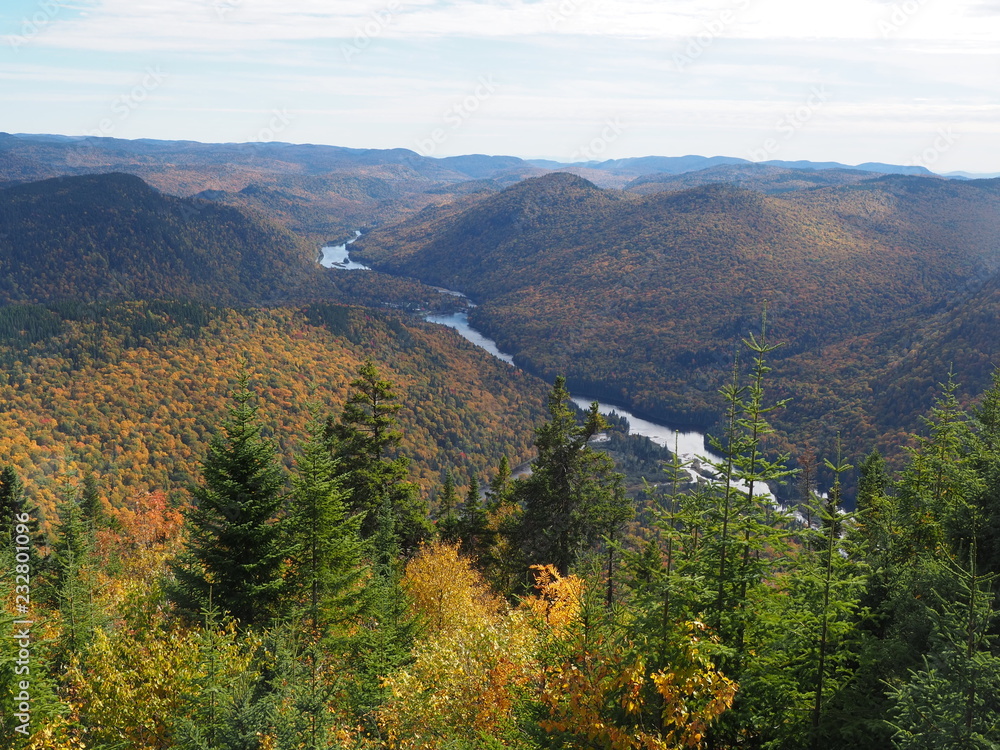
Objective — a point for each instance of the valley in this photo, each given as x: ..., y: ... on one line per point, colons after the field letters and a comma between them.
x: 314, y: 447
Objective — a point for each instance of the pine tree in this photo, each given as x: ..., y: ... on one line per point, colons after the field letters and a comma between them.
x: 448, y: 521
x: 365, y: 440
x: 236, y: 547
x: 385, y: 641
x: 832, y: 526
x: 985, y: 460
x: 234, y: 706
x: 500, y: 484
x: 876, y: 509
x: 500, y: 560
x: 743, y: 536
x: 952, y: 702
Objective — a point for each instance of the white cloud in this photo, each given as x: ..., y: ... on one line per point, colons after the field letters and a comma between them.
x: 562, y: 67
x: 221, y: 25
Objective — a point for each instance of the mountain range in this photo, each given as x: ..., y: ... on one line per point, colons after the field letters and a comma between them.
x: 642, y: 297
x: 877, y: 280
x: 325, y: 192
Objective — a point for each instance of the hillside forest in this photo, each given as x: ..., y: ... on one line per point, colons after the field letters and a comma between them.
x: 249, y: 503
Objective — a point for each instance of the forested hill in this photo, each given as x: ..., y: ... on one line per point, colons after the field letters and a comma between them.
x: 643, y: 298
x: 322, y: 192
x: 132, y: 391
x: 112, y: 236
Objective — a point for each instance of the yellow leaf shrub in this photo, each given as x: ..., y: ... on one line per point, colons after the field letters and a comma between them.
x: 476, y: 659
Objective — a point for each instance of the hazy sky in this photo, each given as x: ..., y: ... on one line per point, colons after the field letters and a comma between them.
x: 909, y: 81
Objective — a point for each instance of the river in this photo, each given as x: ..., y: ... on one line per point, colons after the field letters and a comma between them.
x: 460, y: 322
x: 689, y: 444
x: 337, y: 256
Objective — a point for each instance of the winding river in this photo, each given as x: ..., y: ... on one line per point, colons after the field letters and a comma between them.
x: 689, y: 444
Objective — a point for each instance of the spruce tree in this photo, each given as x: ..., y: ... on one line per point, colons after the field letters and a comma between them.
x: 325, y: 540
x: 234, y: 706
x: 499, y: 485
x: 72, y: 576
x: 474, y: 524
x: 985, y: 460
x: 448, y: 521
x: 500, y: 559
x: 236, y: 545
x: 11, y: 499
x: 952, y: 701
x: 90, y: 501
x: 365, y: 440
x: 573, y: 495
x: 385, y: 641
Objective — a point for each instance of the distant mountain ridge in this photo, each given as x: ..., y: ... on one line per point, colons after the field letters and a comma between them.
x: 326, y: 192
x: 647, y: 165
x: 318, y: 159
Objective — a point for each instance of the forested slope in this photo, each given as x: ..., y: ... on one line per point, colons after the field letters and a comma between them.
x: 643, y: 298
x: 114, y: 237
x: 131, y: 391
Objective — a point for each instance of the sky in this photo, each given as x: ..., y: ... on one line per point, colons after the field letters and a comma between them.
x: 901, y: 82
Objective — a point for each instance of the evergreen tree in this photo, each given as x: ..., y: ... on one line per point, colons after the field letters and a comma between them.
x: 573, y: 495
x: 500, y: 484
x: 742, y: 537
x: 236, y: 545
x: 72, y: 576
x: 500, y: 559
x: 876, y: 509
x: 448, y: 520
x: 365, y: 441
x: 234, y: 706
x: 953, y: 701
x: 985, y: 460
x: 906, y: 537
x: 474, y: 523
x: 325, y: 541
x: 384, y: 642
x: 11, y: 499
x: 90, y: 501
x: 304, y: 689
x: 666, y: 582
